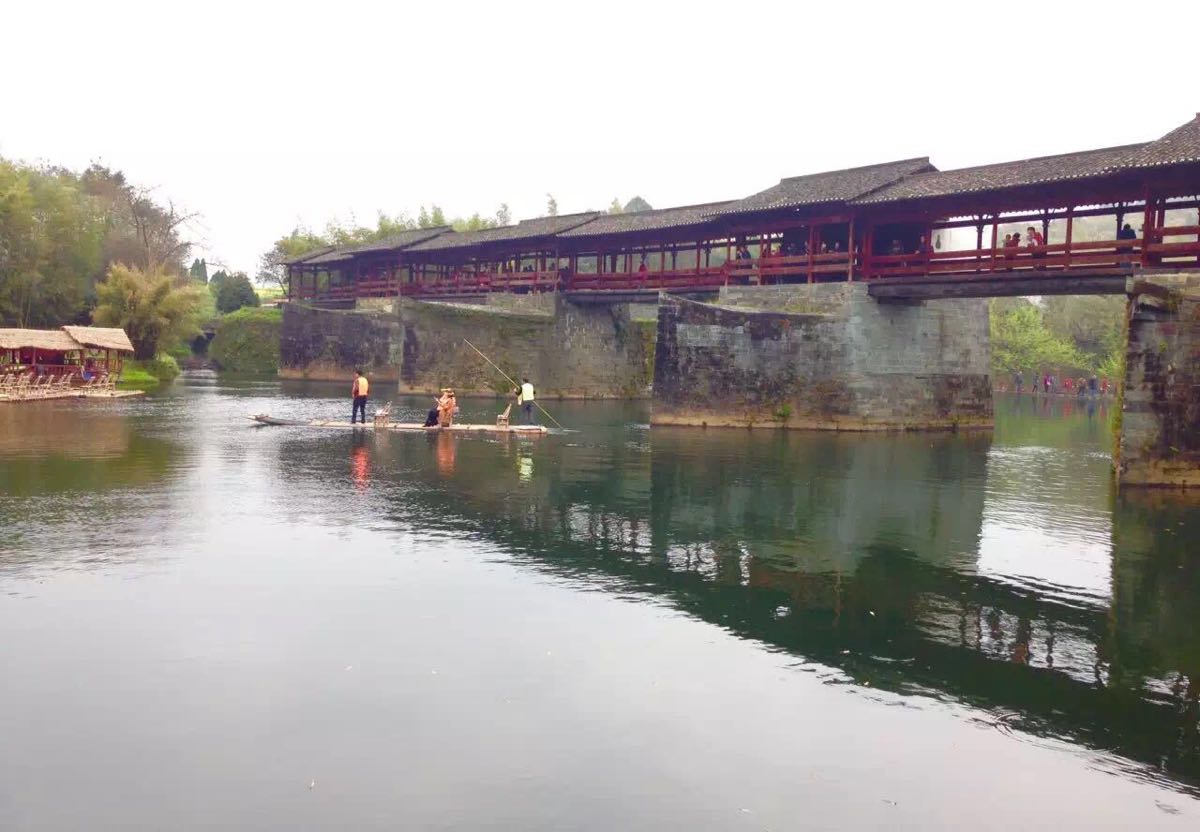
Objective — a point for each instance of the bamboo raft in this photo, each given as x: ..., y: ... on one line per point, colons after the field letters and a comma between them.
x: 411, y: 427
x: 69, y: 393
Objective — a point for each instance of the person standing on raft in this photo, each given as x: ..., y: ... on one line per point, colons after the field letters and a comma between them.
x: 525, y: 399
x: 358, y: 392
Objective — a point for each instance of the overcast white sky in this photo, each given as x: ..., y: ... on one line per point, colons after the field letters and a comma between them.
x: 262, y: 116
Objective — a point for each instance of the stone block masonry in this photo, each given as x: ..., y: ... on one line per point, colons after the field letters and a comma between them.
x: 594, y: 351
x: 1159, y: 436
x: 823, y: 356
x: 328, y: 344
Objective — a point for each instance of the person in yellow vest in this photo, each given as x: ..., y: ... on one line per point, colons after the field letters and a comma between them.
x: 358, y: 392
x: 525, y: 399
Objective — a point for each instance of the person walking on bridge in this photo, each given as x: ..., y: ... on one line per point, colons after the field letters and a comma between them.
x: 525, y: 399
x: 358, y: 392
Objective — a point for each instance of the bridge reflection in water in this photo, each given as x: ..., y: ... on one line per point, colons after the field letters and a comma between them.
x: 1000, y: 572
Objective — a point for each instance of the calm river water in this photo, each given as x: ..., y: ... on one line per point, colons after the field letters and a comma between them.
x: 205, y: 624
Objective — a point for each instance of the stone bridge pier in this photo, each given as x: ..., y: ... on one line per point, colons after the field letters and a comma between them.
x: 1158, y: 442
x: 824, y: 356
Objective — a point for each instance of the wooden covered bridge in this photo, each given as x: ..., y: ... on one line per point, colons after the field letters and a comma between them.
x: 1084, y: 222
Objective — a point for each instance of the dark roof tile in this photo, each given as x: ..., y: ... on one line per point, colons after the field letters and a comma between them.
x: 994, y: 177
x: 306, y: 256
x: 830, y: 186
x: 1180, y: 146
x: 395, y: 242
x: 524, y: 230
x: 654, y: 220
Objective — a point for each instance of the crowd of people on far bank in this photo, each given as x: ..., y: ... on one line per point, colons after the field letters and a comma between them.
x: 1050, y: 384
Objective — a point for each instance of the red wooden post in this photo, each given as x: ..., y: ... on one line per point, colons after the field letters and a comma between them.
x: 812, y: 244
x: 868, y: 243
x: 1070, y: 231
x: 995, y: 236
x: 850, y: 252
x: 1147, y: 227
x: 979, y: 245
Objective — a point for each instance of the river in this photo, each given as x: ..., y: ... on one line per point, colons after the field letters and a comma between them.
x: 208, y: 624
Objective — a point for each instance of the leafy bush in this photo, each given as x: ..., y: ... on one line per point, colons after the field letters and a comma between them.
x: 141, y: 375
x: 247, y: 341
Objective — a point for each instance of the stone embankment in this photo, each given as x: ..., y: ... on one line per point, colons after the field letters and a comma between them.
x: 823, y: 356
x: 569, y: 350
x: 1159, y: 436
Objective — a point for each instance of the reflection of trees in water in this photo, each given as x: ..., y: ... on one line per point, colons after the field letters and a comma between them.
x: 52, y: 448
x: 77, y: 480
x: 856, y: 552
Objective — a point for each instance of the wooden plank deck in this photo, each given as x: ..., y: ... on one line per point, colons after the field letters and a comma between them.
x: 414, y: 427
x: 72, y: 394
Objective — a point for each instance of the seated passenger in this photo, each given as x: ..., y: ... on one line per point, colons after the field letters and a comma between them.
x: 1126, y: 233
x: 447, y: 407
x: 896, y: 247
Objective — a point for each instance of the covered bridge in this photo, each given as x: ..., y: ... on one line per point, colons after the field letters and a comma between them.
x: 903, y: 221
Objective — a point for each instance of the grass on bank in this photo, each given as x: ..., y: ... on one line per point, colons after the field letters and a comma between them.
x: 146, y: 375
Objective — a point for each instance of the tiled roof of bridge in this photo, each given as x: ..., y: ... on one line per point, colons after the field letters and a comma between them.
x: 333, y: 255
x: 1002, y: 175
x: 306, y: 256
x: 1179, y: 146
x: 402, y: 240
x: 395, y: 242
x: 524, y: 230
x: 653, y: 220
x: 830, y: 186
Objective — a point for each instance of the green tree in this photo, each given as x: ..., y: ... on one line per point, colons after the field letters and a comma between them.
x: 1021, y: 341
x: 637, y: 204
x: 551, y: 206
x: 51, y: 246
x: 1095, y: 324
x: 615, y: 207
x: 431, y: 218
x: 235, y: 292
x: 153, y: 307
x: 199, y: 271
x: 503, y: 215
x: 217, y: 281
x: 299, y: 241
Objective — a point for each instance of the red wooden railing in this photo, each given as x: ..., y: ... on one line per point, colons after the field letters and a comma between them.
x: 1162, y: 249
x: 703, y: 278
x: 774, y: 269
x: 1057, y: 256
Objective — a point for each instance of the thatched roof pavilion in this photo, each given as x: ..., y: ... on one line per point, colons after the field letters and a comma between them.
x: 100, y: 338
x: 47, y: 340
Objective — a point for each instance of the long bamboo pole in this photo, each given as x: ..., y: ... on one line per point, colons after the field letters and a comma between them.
x: 513, y: 383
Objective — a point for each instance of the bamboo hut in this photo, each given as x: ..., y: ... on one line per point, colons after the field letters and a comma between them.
x: 48, y: 350
x: 111, y: 341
